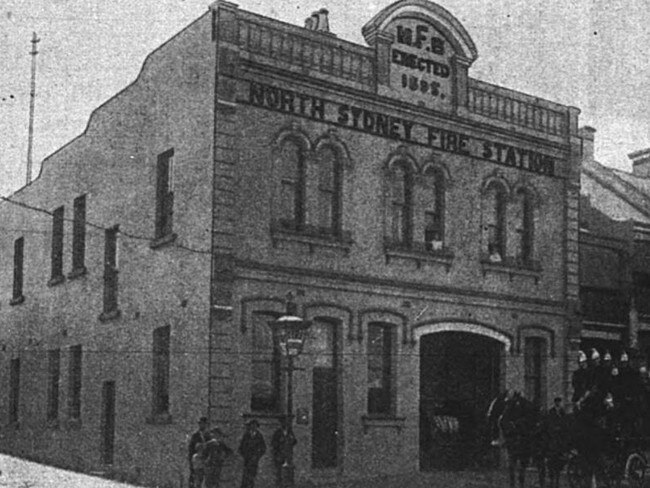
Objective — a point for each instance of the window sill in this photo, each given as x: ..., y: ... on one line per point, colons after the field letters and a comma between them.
x: 419, y: 254
x: 311, y: 236
x: 112, y: 315
x: 160, y: 419
x: 382, y: 421
x: 17, y: 300
x: 162, y: 241
x: 56, y: 280
x: 76, y: 273
x: 512, y: 268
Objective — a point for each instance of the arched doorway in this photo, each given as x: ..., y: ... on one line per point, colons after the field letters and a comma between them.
x: 461, y: 371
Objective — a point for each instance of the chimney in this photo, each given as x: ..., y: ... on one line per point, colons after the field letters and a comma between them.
x: 587, y: 135
x: 318, y: 21
x: 640, y: 163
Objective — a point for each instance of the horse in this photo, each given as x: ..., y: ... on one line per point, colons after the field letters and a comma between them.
x: 518, y: 423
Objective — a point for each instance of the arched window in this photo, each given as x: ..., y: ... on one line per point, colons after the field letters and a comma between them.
x: 524, y: 226
x: 401, y: 204
x: 330, y: 174
x: 434, y: 211
x: 494, y: 222
x: 266, y: 365
x: 292, y: 185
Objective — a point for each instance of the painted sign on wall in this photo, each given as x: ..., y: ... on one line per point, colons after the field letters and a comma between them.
x: 420, y: 71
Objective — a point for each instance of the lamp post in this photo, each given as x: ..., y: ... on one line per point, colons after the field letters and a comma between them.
x: 291, y: 332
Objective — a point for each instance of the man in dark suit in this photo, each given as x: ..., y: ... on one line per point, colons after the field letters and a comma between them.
x: 282, y: 446
x: 252, y: 447
x: 200, y: 437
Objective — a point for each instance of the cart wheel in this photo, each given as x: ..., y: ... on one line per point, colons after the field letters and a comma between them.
x: 578, y: 473
x: 635, y: 467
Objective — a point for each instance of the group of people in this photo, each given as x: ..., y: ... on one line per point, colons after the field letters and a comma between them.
x: 208, y: 452
x: 608, y: 388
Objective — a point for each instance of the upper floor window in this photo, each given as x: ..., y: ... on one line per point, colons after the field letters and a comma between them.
x: 57, y: 245
x: 401, y: 204
x: 494, y: 222
x: 434, y: 210
x: 292, y: 185
x: 19, y: 248
x: 329, y: 191
x: 79, y: 234
x: 642, y: 292
x: 164, y: 194
x: 380, y: 369
x: 266, y: 363
x: 160, y: 370
x: 110, y: 271
x: 524, y: 230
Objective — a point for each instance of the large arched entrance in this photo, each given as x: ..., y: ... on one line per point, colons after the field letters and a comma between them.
x: 461, y: 371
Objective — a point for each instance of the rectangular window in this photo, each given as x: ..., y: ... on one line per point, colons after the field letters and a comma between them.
x: 642, y: 293
x: 79, y: 234
x: 110, y: 270
x: 14, y: 392
x: 160, y: 369
x: 19, y: 247
x: 266, y: 363
x: 535, y: 370
x: 380, y: 369
x: 164, y: 194
x: 57, y: 245
x: 53, y: 372
x: 74, y: 383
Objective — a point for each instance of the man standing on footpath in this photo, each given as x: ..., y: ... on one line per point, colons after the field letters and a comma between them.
x: 199, y: 438
x: 252, y: 447
x: 282, y: 446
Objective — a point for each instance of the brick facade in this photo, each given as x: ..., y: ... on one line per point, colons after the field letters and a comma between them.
x: 233, y: 95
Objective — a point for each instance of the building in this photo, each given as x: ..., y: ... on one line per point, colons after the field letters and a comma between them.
x: 615, y: 255
x: 425, y: 222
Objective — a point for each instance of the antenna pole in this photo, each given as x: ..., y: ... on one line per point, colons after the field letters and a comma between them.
x: 32, y: 96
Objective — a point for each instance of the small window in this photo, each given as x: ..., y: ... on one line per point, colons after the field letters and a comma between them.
x: 74, y: 382
x: 329, y: 191
x: 434, y: 214
x: 266, y: 365
x: 14, y: 392
x: 160, y: 368
x: 110, y: 270
x: 79, y: 234
x: 535, y: 370
x: 494, y: 223
x: 19, y: 247
x: 380, y: 369
x: 292, y: 182
x: 164, y: 194
x: 57, y: 245
x: 54, y: 368
x: 401, y: 205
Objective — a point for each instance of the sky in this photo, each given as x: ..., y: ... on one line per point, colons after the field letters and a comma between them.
x: 591, y: 54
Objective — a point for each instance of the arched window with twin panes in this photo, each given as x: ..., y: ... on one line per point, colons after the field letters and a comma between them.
x: 400, y: 211
x: 330, y: 182
x: 266, y: 362
x: 494, y: 202
x: 434, y: 209
x: 291, y: 170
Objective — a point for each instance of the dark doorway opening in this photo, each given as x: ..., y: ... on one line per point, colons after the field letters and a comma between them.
x: 460, y: 374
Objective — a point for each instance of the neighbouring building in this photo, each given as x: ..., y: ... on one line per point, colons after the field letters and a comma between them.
x: 425, y: 222
x: 615, y: 255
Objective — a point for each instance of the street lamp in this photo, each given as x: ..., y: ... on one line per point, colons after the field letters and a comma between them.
x: 290, y: 331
